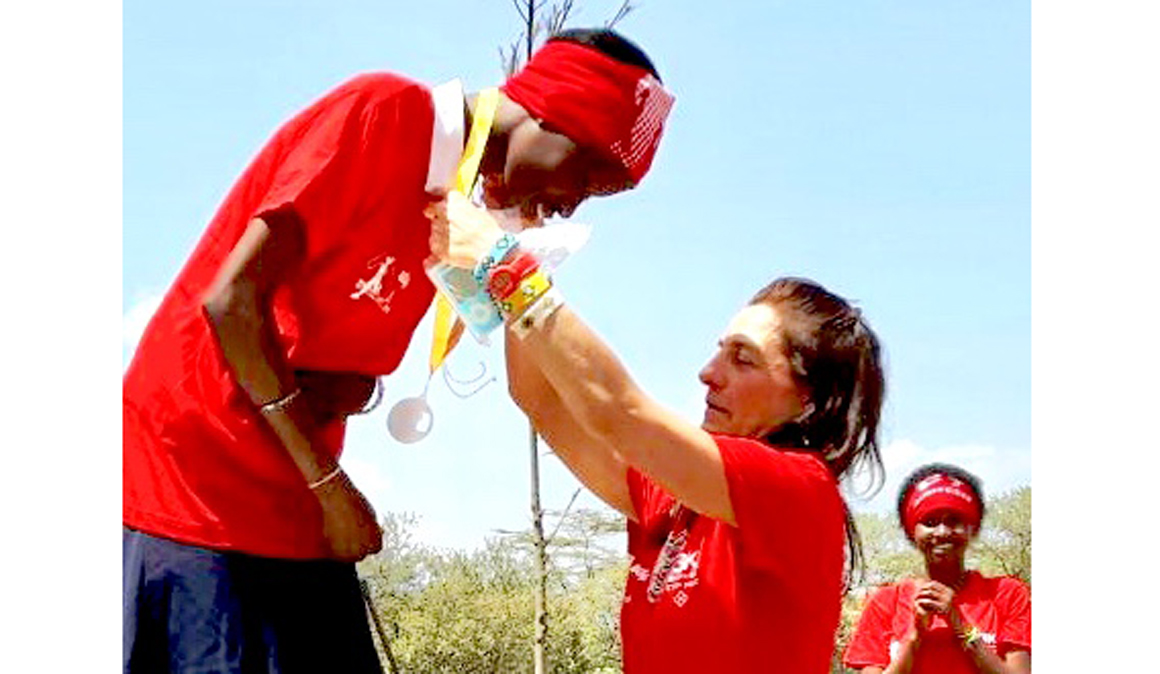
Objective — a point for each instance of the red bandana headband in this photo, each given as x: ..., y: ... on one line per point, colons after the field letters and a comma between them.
x: 940, y: 492
x: 595, y: 100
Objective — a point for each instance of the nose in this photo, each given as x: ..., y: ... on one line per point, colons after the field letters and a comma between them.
x: 710, y: 374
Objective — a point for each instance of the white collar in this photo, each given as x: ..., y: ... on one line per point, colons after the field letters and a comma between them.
x: 446, y: 136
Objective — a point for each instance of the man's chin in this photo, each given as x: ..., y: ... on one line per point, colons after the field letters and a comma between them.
x: 495, y: 194
x: 527, y: 213
x: 493, y: 201
x: 513, y: 221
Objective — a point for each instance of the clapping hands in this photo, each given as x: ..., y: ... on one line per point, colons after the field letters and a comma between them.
x: 934, y: 598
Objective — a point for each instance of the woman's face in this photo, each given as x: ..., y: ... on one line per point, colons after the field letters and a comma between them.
x: 943, y: 536
x: 751, y: 386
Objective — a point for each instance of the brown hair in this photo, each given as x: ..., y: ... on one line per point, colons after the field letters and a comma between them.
x: 836, y: 357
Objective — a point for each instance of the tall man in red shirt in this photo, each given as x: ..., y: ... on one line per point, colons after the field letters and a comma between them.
x: 240, y: 527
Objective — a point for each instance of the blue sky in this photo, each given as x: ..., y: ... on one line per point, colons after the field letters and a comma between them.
x: 880, y: 148
x: 126, y: 128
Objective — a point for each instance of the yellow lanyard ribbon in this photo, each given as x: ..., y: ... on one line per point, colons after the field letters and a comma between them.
x: 448, y: 328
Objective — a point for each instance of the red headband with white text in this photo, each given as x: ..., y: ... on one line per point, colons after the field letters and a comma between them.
x: 595, y: 100
x: 940, y: 492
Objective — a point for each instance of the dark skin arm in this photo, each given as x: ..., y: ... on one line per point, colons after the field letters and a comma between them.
x: 238, y: 307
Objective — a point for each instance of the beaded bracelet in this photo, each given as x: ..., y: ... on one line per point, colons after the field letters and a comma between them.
x: 499, y: 251
x: 972, y: 635
x: 515, y: 282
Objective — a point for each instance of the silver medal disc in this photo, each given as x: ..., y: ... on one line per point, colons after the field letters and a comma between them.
x: 410, y: 420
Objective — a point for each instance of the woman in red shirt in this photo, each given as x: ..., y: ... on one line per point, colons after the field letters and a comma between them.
x: 737, y: 528
x: 952, y: 621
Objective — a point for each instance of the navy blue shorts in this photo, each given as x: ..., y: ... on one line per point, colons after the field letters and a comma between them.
x: 189, y: 609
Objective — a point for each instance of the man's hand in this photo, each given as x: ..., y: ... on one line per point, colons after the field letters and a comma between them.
x: 461, y: 233
x: 348, y: 520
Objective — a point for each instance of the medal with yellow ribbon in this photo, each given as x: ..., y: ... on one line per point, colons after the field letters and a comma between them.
x: 410, y: 420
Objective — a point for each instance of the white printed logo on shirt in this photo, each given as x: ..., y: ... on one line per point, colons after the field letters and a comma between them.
x: 638, y: 572
x: 685, y: 568
x: 372, y: 287
x: 682, y: 576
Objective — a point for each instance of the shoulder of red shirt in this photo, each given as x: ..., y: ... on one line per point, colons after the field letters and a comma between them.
x: 640, y: 482
x: 806, y: 460
x: 380, y: 79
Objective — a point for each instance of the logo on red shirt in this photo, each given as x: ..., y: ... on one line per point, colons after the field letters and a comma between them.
x: 373, y: 287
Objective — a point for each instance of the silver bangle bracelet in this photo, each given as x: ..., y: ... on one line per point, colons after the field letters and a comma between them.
x: 325, y: 478
x: 279, y: 404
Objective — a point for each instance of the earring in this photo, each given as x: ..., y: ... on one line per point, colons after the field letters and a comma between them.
x: 807, y: 412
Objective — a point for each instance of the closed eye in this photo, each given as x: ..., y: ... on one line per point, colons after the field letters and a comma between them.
x: 743, y: 357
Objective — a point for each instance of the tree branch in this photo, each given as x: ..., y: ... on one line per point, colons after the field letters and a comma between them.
x: 626, y: 8
x: 558, y: 17
x: 563, y: 516
x: 520, y: 10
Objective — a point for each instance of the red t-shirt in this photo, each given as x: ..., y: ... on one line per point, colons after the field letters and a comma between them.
x: 763, y: 596
x: 999, y: 607
x: 200, y: 465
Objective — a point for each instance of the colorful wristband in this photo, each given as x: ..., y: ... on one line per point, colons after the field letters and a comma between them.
x: 530, y: 289
x: 499, y: 252
x: 505, y: 278
x: 537, y: 314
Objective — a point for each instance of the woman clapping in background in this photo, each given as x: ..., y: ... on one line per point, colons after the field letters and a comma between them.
x: 952, y: 621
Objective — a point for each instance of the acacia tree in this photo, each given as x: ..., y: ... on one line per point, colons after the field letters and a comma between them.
x: 1004, y: 544
x: 540, y: 20
x: 454, y: 612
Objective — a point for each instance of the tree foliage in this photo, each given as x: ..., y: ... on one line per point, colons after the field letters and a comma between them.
x: 471, y: 612
x: 1004, y: 544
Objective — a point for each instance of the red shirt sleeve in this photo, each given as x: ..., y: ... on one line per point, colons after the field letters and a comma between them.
x: 650, y: 502
x: 870, y: 645
x: 646, y: 496
x: 653, y: 508
x: 1014, y: 608
x: 333, y: 160
x: 790, y: 515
